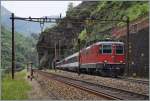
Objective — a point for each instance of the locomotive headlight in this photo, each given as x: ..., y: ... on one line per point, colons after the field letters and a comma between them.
x: 121, y: 61
x: 105, y: 61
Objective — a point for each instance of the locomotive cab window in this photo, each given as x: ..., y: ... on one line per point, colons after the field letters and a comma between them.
x: 119, y: 49
x: 107, y: 49
x: 100, y: 49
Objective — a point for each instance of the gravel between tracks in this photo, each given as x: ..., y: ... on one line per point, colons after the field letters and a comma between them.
x: 112, y: 82
x: 63, y: 91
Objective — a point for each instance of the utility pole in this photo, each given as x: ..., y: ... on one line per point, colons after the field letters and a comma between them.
x: 55, y: 56
x: 31, y: 71
x: 127, y: 42
x: 13, y: 47
x: 27, y: 67
x: 59, y: 52
x: 79, y: 57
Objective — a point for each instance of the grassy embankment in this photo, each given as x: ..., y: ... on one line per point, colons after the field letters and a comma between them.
x: 15, y: 89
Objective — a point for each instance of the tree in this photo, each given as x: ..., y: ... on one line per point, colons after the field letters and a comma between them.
x: 70, y: 6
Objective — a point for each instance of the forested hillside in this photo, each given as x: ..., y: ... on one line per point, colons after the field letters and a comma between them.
x: 107, y: 10
x: 24, y: 49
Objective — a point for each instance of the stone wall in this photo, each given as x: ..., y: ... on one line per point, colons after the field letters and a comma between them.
x: 139, y: 52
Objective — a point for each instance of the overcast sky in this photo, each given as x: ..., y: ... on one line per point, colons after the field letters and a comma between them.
x: 38, y: 8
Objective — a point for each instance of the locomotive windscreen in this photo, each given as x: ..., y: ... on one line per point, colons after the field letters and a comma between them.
x: 119, y: 49
x: 107, y: 49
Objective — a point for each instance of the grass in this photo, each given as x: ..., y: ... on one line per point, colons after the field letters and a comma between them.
x: 15, y: 89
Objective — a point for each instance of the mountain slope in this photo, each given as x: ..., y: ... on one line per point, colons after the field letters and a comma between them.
x: 23, y: 27
x: 24, y: 49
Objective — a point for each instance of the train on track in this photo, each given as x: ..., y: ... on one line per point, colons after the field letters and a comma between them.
x: 106, y: 58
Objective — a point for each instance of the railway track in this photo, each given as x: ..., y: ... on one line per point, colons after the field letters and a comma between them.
x: 128, y: 79
x: 134, y: 80
x: 100, y: 90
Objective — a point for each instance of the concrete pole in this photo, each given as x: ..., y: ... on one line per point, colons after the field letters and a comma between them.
x: 13, y: 47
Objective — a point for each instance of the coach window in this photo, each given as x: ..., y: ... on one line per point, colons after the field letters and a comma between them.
x: 107, y: 49
x: 75, y: 59
x: 70, y: 60
x: 119, y: 49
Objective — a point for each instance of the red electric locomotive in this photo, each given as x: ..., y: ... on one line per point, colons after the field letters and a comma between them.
x: 106, y: 58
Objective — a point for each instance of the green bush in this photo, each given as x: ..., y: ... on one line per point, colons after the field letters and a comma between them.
x: 16, y: 89
x: 137, y: 10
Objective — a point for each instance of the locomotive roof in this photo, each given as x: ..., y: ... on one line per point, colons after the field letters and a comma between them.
x: 104, y: 42
x: 109, y: 42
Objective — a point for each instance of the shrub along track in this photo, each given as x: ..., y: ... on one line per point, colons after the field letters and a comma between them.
x: 100, y: 90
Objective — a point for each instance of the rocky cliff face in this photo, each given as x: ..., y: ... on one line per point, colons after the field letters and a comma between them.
x: 49, y: 40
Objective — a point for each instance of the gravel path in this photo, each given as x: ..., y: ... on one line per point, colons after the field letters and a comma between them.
x: 63, y: 91
x: 112, y: 82
x: 37, y: 92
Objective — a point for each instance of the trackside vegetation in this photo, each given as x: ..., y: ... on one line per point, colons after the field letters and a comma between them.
x: 15, y: 89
